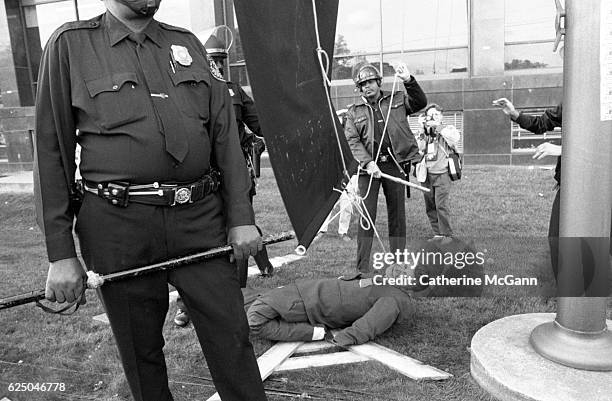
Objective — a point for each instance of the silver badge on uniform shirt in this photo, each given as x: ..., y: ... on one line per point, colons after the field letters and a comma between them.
x: 214, y: 70
x: 231, y: 92
x: 181, y: 55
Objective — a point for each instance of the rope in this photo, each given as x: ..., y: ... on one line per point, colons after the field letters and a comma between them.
x: 357, y: 201
x: 323, y: 58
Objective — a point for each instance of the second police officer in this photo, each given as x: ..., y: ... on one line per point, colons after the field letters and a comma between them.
x: 250, y: 142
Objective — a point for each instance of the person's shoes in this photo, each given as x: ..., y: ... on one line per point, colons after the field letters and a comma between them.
x: 267, y: 271
x: 436, y: 237
x: 181, y: 318
x: 345, y: 238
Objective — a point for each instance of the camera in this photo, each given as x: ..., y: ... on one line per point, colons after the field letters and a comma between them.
x: 430, y: 131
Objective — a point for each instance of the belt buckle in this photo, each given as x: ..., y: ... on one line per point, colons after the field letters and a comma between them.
x: 182, y: 195
x: 383, y: 158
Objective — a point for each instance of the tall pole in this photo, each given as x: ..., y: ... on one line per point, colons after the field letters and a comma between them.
x: 579, y: 337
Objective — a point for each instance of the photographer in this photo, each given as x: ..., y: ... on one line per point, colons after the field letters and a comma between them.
x: 437, y: 142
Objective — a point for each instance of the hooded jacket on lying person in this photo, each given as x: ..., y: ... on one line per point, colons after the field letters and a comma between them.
x: 302, y: 311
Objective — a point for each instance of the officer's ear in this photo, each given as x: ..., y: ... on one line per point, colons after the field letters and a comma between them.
x: 379, y: 82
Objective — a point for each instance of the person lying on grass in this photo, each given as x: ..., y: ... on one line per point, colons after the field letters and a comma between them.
x: 362, y: 308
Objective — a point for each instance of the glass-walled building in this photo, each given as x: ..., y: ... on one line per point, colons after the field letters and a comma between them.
x: 465, y: 53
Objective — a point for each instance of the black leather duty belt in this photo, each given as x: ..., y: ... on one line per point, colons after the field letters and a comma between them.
x: 121, y: 194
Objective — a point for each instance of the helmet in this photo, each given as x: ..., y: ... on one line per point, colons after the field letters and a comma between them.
x: 215, y: 47
x: 365, y: 73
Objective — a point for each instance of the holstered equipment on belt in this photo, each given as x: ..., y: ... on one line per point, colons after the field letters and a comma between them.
x: 257, y: 149
x: 122, y: 194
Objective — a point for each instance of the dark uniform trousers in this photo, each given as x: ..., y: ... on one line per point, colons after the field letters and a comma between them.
x: 114, y: 238
x: 396, y: 214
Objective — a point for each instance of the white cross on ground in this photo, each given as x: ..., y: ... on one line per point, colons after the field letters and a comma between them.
x: 278, y: 358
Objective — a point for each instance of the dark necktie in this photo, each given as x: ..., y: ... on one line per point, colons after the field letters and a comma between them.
x: 170, y: 123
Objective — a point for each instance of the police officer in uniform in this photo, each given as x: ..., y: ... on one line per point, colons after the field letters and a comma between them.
x: 156, y: 131
x: 246, y: 116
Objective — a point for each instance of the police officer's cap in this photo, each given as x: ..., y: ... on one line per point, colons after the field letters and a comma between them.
x: 365, y: 73
x: 215, y: 47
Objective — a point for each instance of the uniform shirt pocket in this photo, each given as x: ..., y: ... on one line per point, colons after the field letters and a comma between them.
x: 192, y: 92
x: 115, y: 100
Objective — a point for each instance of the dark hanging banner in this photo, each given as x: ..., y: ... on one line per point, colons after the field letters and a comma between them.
x: 279, y: 43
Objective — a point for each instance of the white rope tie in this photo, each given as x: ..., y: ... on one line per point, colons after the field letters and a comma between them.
x: 94, y: 280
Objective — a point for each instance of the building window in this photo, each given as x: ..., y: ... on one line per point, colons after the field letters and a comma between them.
x: 431, y: 37
x: 530, y: 35
x: 525, y: 142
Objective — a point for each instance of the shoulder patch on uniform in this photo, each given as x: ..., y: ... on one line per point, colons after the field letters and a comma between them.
x: 174, y: 28
x: 93, y: 23
x: 214, y: 71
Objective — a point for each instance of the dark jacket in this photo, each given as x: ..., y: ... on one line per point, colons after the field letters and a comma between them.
x: 367, y: 311
x: 246, y: 114
x: 359, y: 127
x: 540, y: 124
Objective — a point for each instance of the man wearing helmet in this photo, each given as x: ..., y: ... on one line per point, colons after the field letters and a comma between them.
x: 383, y: 145
x: 246, y: 116
x: 156, y: 128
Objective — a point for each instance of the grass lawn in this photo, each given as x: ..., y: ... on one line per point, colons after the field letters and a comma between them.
x: 503, y: 209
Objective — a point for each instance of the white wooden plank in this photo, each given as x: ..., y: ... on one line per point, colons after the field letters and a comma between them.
x: 313, y: 361
x: 277, y: 262
x: 314, y: 346
x: 102, y: 318
x: 401, y: 363
x: 270, y: 360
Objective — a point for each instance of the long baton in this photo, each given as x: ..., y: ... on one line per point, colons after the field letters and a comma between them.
x: 404, y: 182
x: 38, y: 295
